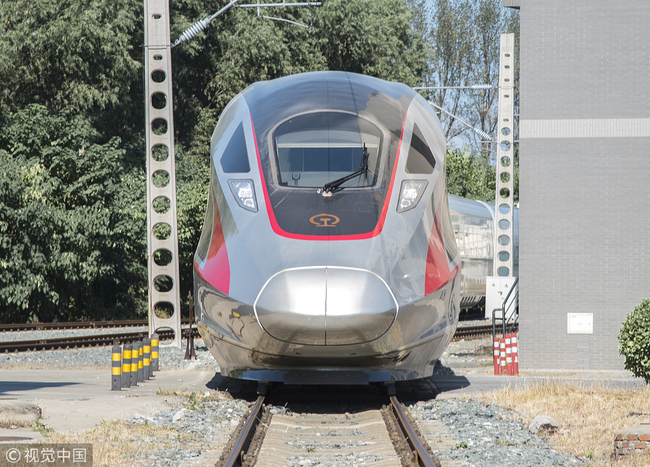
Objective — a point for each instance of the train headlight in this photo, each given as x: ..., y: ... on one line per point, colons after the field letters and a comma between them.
x: 410, y: 194
x: 244, y: 193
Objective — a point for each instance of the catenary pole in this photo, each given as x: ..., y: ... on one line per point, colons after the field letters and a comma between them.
x: 162, y: 235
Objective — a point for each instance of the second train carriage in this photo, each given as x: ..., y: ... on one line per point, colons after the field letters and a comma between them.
x: 473, y: 225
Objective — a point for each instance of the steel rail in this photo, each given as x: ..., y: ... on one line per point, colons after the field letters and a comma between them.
x: 77, y: 325
x: 80, y: 341
x: 143, y: 322
x: 126, y: 338
x: 470, y: 331
x: 235, y: 456
x: 422, y: 456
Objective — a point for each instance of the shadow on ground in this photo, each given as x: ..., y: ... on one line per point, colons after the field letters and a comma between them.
x: 444, y: 379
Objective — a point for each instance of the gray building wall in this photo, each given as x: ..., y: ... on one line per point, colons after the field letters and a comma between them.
x: 584, y: 176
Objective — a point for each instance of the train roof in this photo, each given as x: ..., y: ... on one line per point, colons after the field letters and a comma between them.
x: 275, y: 101
x: 471, y: 207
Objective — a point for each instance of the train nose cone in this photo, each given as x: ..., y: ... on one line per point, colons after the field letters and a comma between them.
x: 326, y: 306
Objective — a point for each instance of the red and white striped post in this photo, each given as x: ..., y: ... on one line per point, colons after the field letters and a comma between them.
x: 508, y: 355
x: 515, y: 354
x: 502, y: 357
x: 496, y: 356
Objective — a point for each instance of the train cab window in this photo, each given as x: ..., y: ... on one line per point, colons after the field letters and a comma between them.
x: 318, y: 148
x: 420, y: 159
x: 235, y: 156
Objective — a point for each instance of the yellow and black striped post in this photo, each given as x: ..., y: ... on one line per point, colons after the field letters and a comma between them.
x: 126, y: 367
x: 146, y: 360
x: 154, y: 351
x: 134, y: 364
x: 140, y: 362
x: 116, y: 368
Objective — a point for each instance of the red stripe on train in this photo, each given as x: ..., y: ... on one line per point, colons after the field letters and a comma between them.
x: 437, y: 270
x: 216, y: 270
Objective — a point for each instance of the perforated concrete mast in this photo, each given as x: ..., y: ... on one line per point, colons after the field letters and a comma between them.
x: 162, y: 236
x: 504, y: 204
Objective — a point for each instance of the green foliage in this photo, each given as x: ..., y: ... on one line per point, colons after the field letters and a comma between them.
x: 371, y: 37
x: 66, y: 227
x: 472, y: 176
x: 78, y: 53
x: 193, y: 402
x: 73, y: 182
x: 468, y: 177
x: 191, y: 198
x: 634, y: 341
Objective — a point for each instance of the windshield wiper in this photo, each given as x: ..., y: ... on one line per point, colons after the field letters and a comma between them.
x: 363, y: 169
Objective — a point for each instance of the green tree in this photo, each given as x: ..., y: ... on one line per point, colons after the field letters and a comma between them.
x: 634, y: 341
x: 83, y: 54
x: 69, y: 249
x: 371, y: 37
x: 451, y: 63
x: 489, y: 20
x: 467, y: 177
x: 72, y: 190
x: 465, y: 38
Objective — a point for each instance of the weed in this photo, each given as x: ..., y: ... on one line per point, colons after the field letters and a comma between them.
x: 44, y: 430
x: 194, y: 402
x: 593, y: 413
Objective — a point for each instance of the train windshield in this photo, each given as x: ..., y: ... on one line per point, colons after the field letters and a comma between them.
x: 321, y: 147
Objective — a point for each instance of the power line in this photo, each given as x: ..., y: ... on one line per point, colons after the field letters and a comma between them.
x: 201, y: 24
x: 481, y: 133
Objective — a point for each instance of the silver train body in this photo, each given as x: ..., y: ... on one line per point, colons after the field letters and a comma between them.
x: 308, y: 273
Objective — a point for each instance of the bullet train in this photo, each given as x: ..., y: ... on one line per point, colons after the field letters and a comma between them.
x: 328, y: 254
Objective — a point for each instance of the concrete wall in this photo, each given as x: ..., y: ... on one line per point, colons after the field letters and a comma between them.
x: 584, y: 176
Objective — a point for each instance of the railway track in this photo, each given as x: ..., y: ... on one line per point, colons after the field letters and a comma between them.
x: 468, y: 332
x: 82, y: 341
x: 78, y: 325
x: 130, y: 337
x: 382, y: 436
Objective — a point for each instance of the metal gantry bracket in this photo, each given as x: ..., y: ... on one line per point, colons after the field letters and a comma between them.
x: 162, y: 236
x: 201, y: 24
x: 503, y: 203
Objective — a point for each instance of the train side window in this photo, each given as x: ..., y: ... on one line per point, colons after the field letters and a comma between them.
x: 420, y: 158
x: 235, y: 157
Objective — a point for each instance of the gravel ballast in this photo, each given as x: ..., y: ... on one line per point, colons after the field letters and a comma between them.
x: 484, y: 434
x: 208, y: 426
x: 488, y: 435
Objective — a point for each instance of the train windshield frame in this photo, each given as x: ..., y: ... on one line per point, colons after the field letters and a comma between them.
x: 316, y: 148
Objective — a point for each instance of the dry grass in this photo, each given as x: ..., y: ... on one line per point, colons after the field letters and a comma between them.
x: 588, y: 416
x: 116, y: 444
